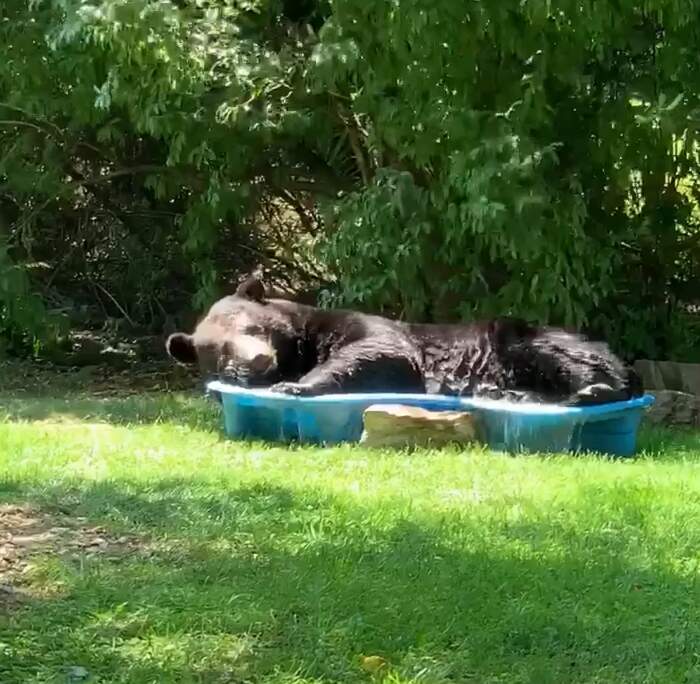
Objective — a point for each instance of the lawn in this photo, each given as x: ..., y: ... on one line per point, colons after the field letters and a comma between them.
x: 147, y: 549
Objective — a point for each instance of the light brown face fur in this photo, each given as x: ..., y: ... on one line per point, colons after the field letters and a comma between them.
x: 228, y: 347
x: 236, y: 340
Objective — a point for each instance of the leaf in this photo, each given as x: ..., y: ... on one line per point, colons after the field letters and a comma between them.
x: 77, y: 673
x: 373, y: 664
x: 674, y: 103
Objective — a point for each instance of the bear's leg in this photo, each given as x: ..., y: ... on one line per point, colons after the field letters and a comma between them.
x: 358, y: 368
x: 598, y: 393
x: 578, y: 372
x: 491, y: 391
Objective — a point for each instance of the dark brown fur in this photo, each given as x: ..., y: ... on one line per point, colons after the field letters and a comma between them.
x: 250, y: 340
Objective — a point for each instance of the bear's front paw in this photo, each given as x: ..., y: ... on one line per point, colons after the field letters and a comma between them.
x: 292, y: 388
x: 488, y: 391
x: 599, y: 393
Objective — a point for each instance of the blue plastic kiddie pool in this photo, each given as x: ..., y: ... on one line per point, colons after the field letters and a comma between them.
x: 334, y: 418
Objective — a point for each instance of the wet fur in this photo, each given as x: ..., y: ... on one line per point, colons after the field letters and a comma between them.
x: 321, y: 351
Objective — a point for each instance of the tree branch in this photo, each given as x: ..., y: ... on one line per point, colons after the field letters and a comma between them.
x: 24, y: 124
x: 43, y: 124
x: 120, y: 173
x: 352, y: 128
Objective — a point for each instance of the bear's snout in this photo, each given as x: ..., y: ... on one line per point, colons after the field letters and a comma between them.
x: 252, y: 362
x: 262, y: 363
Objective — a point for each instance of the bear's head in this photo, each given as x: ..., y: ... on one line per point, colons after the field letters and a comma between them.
x: 244, y: 339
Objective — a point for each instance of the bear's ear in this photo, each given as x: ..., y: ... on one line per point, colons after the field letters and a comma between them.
x: 252, y: 288
x: 181, y: 347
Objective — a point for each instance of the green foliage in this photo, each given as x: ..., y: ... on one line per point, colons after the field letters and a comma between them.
x: 546, y: 148
x: 141, y: 142
x: 469, y: 158
x: 24, y: 321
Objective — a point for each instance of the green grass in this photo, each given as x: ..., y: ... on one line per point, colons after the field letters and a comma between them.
x: 252, y: 563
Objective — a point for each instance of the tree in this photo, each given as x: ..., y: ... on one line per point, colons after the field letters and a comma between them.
x: 159, y: 135
x: 525, y: 158
x: 434, y: 160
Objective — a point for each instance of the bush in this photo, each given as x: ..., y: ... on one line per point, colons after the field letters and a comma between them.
x: 436, y: 161
x: 532, y: 159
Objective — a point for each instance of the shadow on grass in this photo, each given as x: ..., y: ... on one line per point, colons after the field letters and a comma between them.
x: 193, y: 410
x: 256, y: 583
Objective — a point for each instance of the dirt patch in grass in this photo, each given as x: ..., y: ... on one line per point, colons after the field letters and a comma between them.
x: 27, y: 533
x: 20, y: 378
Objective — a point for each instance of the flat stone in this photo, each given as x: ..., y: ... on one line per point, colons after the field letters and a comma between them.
x: 674, y: 409
x: 395, y: 425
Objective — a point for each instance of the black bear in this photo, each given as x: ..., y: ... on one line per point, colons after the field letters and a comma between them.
x: 250, y: 340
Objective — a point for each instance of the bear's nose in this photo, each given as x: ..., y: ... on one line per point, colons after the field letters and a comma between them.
x: 261, y: 362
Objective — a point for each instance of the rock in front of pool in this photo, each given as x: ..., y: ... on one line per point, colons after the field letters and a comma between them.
x: 396, y: 425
